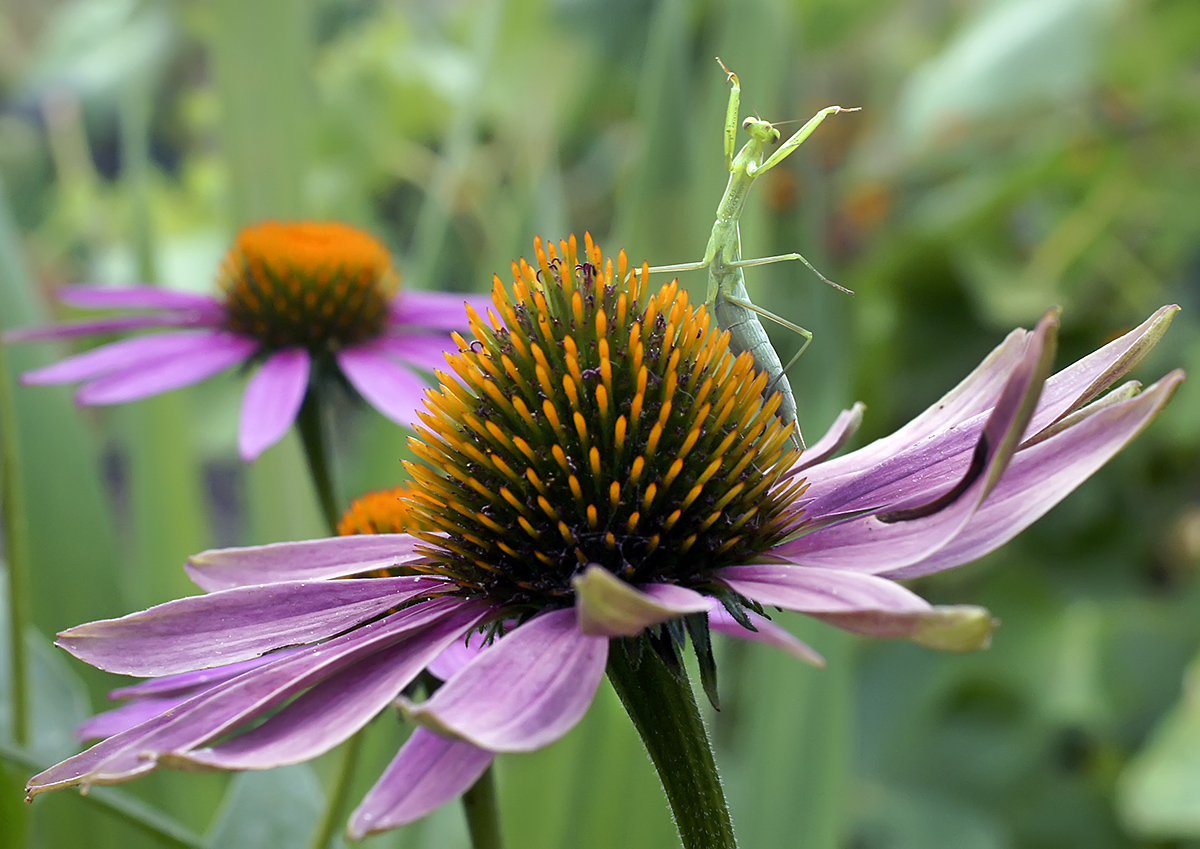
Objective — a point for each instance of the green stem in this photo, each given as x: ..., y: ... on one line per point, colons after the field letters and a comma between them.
x: 312, y: 436
x: 340, y: 793
x: 663, y: 710
x: 12, y: 504
x: 483, y: 814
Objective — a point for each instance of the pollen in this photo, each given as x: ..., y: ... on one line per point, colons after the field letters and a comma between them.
x: 596, y: 421
x: 315, y: 285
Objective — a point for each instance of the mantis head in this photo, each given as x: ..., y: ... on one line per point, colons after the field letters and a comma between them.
x: 761, y: 130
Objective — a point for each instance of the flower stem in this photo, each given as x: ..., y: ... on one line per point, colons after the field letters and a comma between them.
x: 15, y: 530
x: 664, y: 711
x: 483, y: 814
x: 339, y: 794
x: 312, y: 436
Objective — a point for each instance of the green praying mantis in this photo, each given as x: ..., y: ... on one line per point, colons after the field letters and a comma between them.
x: 727, y: 297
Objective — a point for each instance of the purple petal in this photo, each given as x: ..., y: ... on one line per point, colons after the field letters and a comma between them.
x: 839, y: 433
x: 814, y: 590
x: 1044, y: 473
x: 522, y: 692
x: 237, y: 624
x: 423, y: 350
x: 609, y: 607
x: 390, y: 388
x: 332, y: 711
x: 768, y: 633
x: 220, y: 351
x: 137, y: 298
x: 221, y: 709
x: 305, y: 560
x: 429, y: 771
x: 273, y: 397
x: 456, y: 656
x: 437, y: 310
x: 117, y: 356
x: 915, y: 527
x: 189, y: 683
x: 127, y: 716
x: 95, y: 327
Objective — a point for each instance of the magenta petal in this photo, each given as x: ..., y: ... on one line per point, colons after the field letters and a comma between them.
x: 118, y: 356
x: 456, y: 656
x: 220, y: 351
x: 437, y: 310
x: 609, y: 607
x: 190, y: 683
x: 524, y: 691
x: 121, y: 324
x: 1043, y: 474
x: 428, y: 771
x: 135, y: 297
x: 814, y: 590
x: 127, y: 716
x: 423, y: 350
x: 839, y: 433
x: 768, y: 633
x: 237, y: 624
x: 305, y: 560
x: 389, y: 387
x: 273, y: 397
x: 336, y: 708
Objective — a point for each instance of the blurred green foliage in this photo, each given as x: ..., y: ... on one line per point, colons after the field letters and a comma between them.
x: 1010, y: 155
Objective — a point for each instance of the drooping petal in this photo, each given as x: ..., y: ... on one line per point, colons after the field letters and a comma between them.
x: 151, y: 378
x: 233, y: 625
x: 118, y: 356
x: 219, y: 710
x: 437, y: 310
x: 428, y: 771
x: 814, y: 590
x: 120, y: 324
x: 389, y: 387
x: 609, y: 607
x: 136, y: 298
x: 1043, y: 474
x: 840, y: 432
x: 190, y: 683
x: 767, y: 633
x: 423, y: 350
x: 333, y: 710
x: 127, y: 716
x: 273, y: 397
x: 456, y: 656
x: 305, y: 560
x: 904, y: 530
x: 522, y: 692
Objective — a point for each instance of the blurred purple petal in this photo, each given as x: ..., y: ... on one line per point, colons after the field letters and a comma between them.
x: 609, y: 607
x: 437, y: 310
x: 136, y: 298
x: 305, y: 560
x: 457, y: 655
x: 228, y: 626
x: 840, y: 432
x: 144, y: 379
x: 94, y: 327
x: 273, y: 397
x: 1043, y: 474
x: 814, y: 590
x: 961, y: 628
x: 423, y: 350
x: 117, y: 356
x: 523, y: 691
x: 389, y: 387
x: 429, y: 771
x: 335, y: 709
x: 768, y: 633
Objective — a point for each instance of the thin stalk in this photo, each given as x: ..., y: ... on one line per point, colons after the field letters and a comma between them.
x: 340, y: 794
x: 664, y: 712
x: 312, y: 436
x: 16, y: 536
x: 483, y: 814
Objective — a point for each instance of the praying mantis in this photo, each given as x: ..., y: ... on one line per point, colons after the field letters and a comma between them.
x: 727, y: 298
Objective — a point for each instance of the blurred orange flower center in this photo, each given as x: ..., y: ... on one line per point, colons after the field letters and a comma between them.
x: 317, y: 285
x: 382, y: 512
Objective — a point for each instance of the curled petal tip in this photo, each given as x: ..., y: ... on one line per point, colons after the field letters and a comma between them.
x: 959, y: 628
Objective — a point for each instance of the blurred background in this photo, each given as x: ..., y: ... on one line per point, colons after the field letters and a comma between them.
x: 1009, y: 156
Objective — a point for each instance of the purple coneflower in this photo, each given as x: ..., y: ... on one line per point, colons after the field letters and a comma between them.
x: 305, y: 300
x: 602, y: 484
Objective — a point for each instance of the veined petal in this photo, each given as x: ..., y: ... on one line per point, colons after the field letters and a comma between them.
x: 237, y: 624
x: 428, y: 771
x: 117, y: 356
x: 333, y: 710
x: 273, y: 397
x: 767, y: 632
x: 1044, y: 473
x: 524, y: 691
x: 814, y: 590
x: 305, y: 560
x: 609, y: 607
x: 190, y: 683
x: 840, y: 432
x: 144, y: 379
x: 127, y: 716
x: 120, y: 324
x: 456, y: 656
x: 437, y: 310
x: 423, y: 350
x: 136, y: 298
x: 389, y: 387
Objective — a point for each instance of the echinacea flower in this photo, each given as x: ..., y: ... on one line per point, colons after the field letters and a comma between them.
x: 305, y: 300
x: 603, y: 478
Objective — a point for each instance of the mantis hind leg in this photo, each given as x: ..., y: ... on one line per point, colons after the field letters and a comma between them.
x: 767, y: 260
x: 783, y: 322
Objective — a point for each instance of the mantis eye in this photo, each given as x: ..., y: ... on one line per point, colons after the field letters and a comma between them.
x: 747, y: 123
x: 774, y: 136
